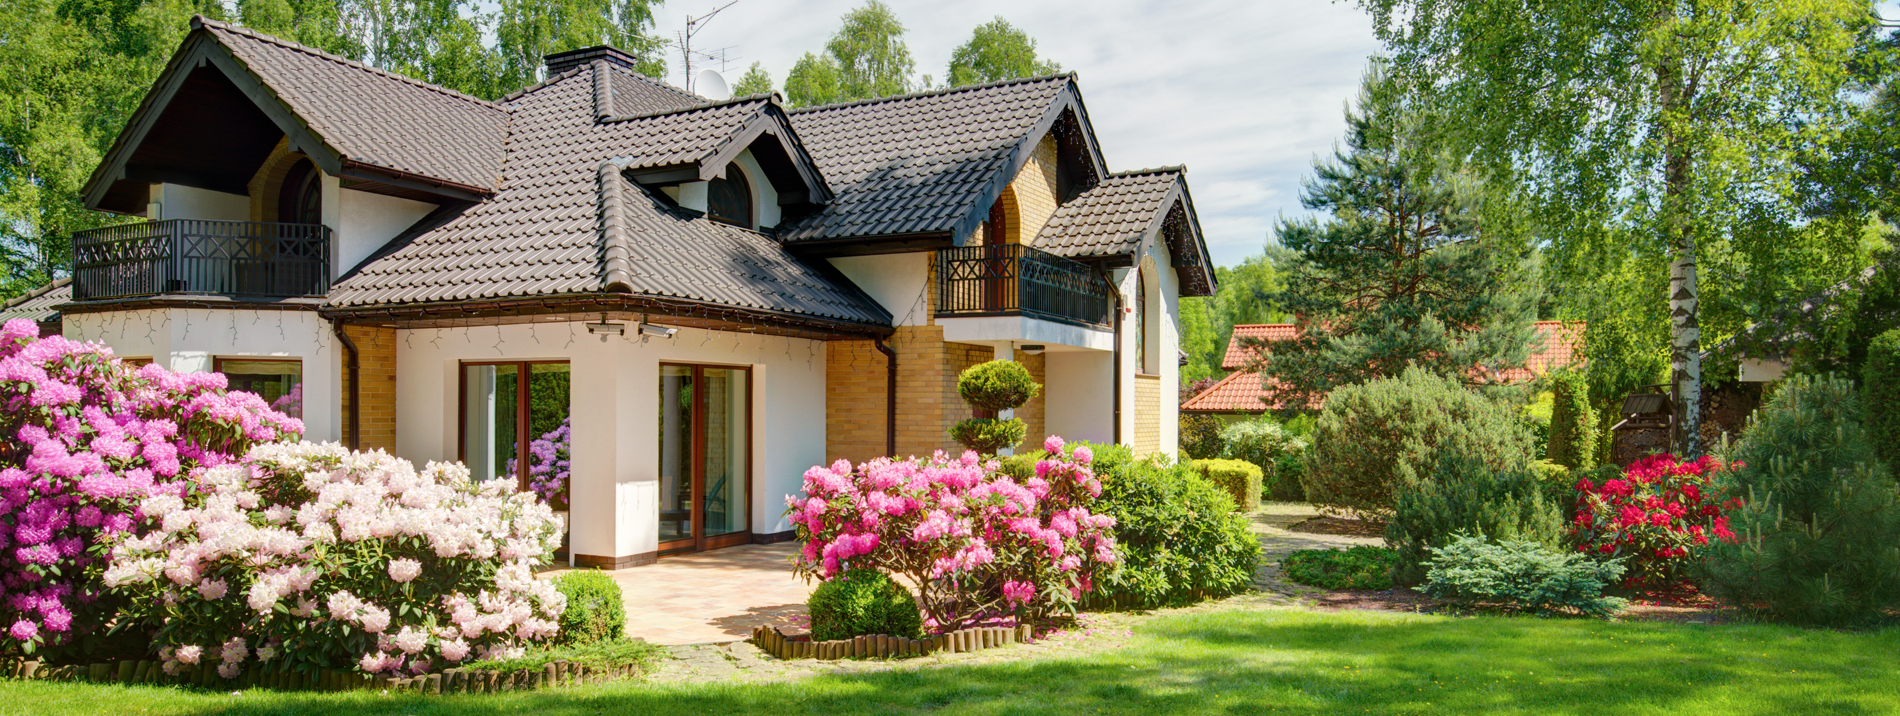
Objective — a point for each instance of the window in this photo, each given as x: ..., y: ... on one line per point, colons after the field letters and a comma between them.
x: 278, y: 381
x: 515, y: 425
x: 1141, y: 321
x: 705, y: 451
x: 729, y: 198
x: 300, y: 201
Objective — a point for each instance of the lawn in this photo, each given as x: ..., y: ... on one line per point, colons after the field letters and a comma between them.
x: 1234, y: 662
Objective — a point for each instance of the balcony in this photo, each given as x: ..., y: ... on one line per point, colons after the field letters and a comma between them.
x: 1018, y: 280
x: 194, y: 256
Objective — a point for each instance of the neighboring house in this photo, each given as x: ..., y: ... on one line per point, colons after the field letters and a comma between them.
x: 1240, y: 395
x: 40, y: 305
x: 714, y: 295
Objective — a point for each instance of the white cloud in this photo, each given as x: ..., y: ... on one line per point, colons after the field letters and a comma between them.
x: 1243, y: 93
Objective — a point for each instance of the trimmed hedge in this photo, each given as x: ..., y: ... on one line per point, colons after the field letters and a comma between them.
x: 863, y: 602
x: 1880, y: 382
x: 1241, y: 479
x: 997, y: 385
x: 1464, y: 496
x: 594, y: 610
x: 988, y: 435
x: 1573, y: 423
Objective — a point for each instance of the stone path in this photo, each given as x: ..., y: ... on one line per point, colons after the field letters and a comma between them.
x: 713, y: 596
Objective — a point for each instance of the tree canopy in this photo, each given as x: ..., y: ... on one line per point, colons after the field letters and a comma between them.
x: 865, y: 58
x: 755, y: 81
x: 996, y: 51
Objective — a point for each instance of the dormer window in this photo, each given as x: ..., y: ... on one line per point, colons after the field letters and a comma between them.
x: 729, y: 198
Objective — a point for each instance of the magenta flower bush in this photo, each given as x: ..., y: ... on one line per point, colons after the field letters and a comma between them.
x: 312, y: 556
x: 87, y: 440
x: 976, y: 543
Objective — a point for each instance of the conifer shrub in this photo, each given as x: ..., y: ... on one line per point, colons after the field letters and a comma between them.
x: 989, y: 435
x: 1521, y: 576
x: 1466, y: 497
x: 1880, y: 380
x: 1817, y: 527
x: 594, y: 610
x: 1573, y: 423
x: 863, y: 602
x: 1380, y: 437
x: 1241, y: 480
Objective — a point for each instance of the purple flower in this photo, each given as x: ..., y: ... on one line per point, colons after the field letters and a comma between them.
x: 24, y: 630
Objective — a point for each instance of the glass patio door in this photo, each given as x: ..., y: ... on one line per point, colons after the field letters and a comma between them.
x: 705, y: 456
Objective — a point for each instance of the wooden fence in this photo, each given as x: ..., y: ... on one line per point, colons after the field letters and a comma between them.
x: 776, y: 643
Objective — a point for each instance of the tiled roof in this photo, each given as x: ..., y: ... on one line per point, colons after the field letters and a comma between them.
x: 39, y: 305
x: 634, y: 94
x: 1563, y: 345
x: 566, y: 221
x: 916, y: 163
x: 1237, y: 393
x: 1238, y: 355
x: 1110, y: 218
x: 374, y: 117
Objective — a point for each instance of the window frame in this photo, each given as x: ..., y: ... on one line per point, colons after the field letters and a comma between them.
x: 701, y: 542
x: 217, y: 366
x: 522, y: 408
x: 751, y: 198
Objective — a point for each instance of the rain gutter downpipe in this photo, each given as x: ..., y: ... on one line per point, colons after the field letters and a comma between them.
x: 356, y: 389
x: 890, y: 395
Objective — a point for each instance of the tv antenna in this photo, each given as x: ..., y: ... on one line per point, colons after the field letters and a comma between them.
x: 693, y: 26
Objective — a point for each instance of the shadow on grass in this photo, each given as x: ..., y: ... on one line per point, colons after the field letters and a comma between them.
x: 1259, y: 662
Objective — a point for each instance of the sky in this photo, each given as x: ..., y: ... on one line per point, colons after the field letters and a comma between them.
x: 1245, y: 94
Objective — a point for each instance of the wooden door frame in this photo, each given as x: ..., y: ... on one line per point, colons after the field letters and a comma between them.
x: 696, y: 457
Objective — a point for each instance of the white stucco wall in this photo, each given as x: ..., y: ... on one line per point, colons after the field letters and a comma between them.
x: 177, y: 201
x: 1164, y: 343
x: 191, y: 339
x: 1079, y: 395
x: 764, y: 195
x: 897, y: 281
x: 368, y: 221
x: 615, y: 489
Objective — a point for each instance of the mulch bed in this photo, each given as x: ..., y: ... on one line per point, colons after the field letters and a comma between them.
x: 1391, y: 600
x: 1344, y: 526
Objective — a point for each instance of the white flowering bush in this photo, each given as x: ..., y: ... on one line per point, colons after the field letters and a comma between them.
x: 309, y: 556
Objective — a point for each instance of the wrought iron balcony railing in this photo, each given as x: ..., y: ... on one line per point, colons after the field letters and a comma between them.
x: 198, y: 256
x: 1013, y: 279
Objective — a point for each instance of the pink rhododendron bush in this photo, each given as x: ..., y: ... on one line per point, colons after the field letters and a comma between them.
x: 313, y: 556
x: 977, y: 543
x: 87, y: 439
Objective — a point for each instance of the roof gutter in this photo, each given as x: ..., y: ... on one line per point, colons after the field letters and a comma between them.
x: 591, y: 303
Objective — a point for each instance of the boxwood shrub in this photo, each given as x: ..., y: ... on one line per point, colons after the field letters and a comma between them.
x: 863, y: 602
x: 594, y: 610
x: 1241, y: 480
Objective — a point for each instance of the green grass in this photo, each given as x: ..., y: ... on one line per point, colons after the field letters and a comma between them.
x: 1225, y: 663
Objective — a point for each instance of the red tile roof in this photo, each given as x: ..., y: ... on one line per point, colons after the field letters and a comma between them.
x: 1240, y: 392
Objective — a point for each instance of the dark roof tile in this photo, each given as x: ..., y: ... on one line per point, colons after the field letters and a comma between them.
x: 39, y: 305
x: 1112, y: 217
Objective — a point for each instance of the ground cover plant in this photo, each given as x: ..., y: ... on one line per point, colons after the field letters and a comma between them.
x: 1363, y: 567
x: 1221, y: 662
x: 1521, y: 575
x: 94, y: 438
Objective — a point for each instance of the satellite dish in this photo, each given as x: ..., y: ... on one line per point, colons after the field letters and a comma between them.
x: 711, y: 86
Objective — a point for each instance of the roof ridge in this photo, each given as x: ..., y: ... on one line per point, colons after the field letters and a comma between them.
x: 37, y: 292
x: 662, y: 84
x: 1070, y: 75
x: 202, y: 21
x: 694, y: 108
x: 616, y: 257
x: 1167, y: 169
x: 517, y: 94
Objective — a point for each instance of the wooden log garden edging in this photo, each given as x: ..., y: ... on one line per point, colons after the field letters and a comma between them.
x: 776, y: 643
x: 449, y: 681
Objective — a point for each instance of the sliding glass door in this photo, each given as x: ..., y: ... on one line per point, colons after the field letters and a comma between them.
x: 515, y: 425
x: 705, y: 456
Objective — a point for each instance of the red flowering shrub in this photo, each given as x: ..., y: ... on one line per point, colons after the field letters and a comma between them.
x: 1656, y: 516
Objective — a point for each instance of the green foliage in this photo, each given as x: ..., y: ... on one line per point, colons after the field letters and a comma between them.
x: 755, y: 81
x: 1401, y: 270
x: 1289, y: 472
x: 600, y: 655
x: 1818, y: 528
x: 1180, y: 537
x: 1377, y: 439
x: 997, y: 385
x: 1022, y: 464
x: 1201, y: 436
x: 863, y: 602
x: 1573, y: 423
x: 988, y: 435
x: 528, y: 30
x: 1536, y: 416
x: 1243, y: 297
x: 1362, y: 568
x: 814, y: 80
x: 594, y: 610
x: 1465, y: 496
x: 866, y: 58
x: 996, y: 51
x: 1521, y: 575
x: 1265, y: 443
x: 1241, y: 480
x: 1880, y: 379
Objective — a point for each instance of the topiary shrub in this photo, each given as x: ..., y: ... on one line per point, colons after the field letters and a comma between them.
x: 1180, y: 538
x: 1880, y: 379
x: 1363, y: 568
x: 1377, y: 438
x: 1573, y: 423
x: 989, y: 435
x: 1201, y: 436
x: 997, y: 385
x: 863, y: 602
x: 594, y: 610
x: 1817, y: 525
x: 1521, y: 576
x: 1239, y: 478
x: 1464, y: 496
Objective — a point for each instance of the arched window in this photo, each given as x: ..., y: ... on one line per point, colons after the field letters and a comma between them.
x: 729, y: 198
x: 300, y: 201
x: 1141, y: 321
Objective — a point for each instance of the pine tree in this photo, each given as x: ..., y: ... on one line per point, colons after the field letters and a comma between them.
x: 1881, y: 382
x: 1818, y: 528
x: 1401, y: 271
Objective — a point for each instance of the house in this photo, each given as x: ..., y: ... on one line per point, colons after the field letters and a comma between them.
x: 1239, y: 396
x: 701, y: 298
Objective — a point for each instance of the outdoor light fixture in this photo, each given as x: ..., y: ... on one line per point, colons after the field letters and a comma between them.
x: 648, y: 329
x: 605, y: 329
x: 1034, y: 349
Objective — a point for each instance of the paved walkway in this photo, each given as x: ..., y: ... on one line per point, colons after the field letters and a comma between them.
x: 714, y: 596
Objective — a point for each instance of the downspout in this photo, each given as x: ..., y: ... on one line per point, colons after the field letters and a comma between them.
x: 356, y: 383
x: 1116, y: 291
x: 890, y: 396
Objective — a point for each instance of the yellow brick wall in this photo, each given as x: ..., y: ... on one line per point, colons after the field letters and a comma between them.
x: 269, y: 180
x: 1147, y: 414
x: 1033, y: 193
x: 376, y: 363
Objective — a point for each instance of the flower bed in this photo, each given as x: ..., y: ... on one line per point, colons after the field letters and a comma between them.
x: 800, y: 646
x: 1655, y: 517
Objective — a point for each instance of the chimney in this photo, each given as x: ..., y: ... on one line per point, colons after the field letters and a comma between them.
x: 563, y: 61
